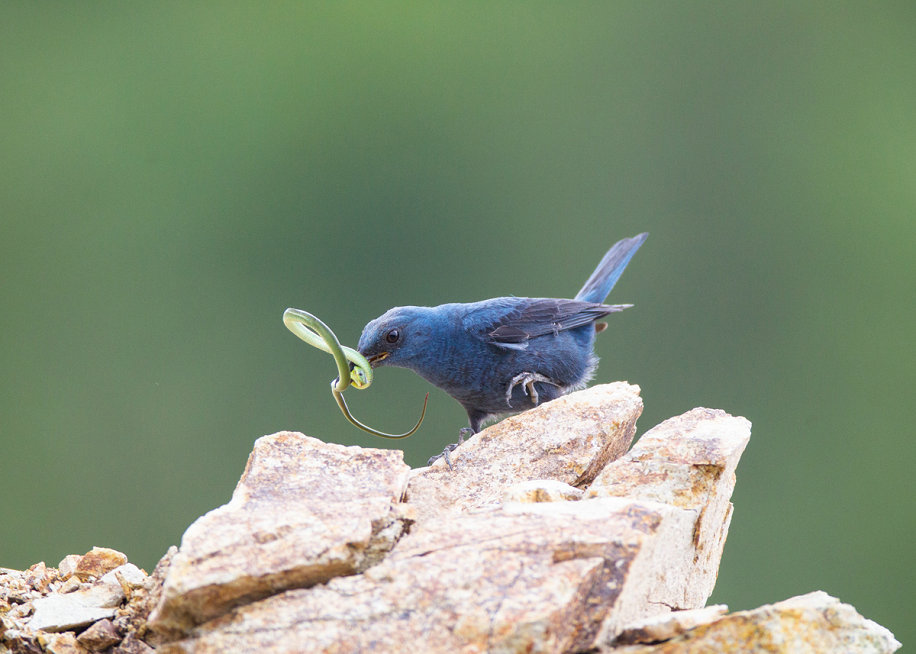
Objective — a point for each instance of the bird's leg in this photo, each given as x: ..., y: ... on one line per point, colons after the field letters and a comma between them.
x: 464, y: 432
x: 527, y: 379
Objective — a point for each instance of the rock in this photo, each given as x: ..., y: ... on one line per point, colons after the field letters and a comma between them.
x: 528, y: 545
x: 97, y: 562
x: 132, y: 645
x: 73, y: 583
x: 569, y: 440
x: 668, y: 625
x: 549, y: 576
x: 65, y: 643
x: 687, y: 462
x: 67, y: 566
x: 810, y: 623
x: 13, y: 587
x: 523, y: 576
x: 155, y: 584
x: 17, y: 641
x: 303, y: 512
x: 99, y: 636
x: 127, y: 577
x: 541, y: 490
x: 71, y: 611
x: 38, y: 578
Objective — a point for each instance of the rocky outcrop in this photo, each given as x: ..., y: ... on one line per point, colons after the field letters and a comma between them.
x: 545, y: 536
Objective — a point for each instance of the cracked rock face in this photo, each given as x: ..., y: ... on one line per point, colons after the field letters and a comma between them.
x: 303, y: 512
x: 508, y: 579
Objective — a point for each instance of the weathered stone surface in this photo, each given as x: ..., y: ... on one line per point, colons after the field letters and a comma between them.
x: 542, y: 490
x: 668, y: 625
x: 303, y: 512
x: 99, y: 636
x: 687, y: 462
x: 98, y: 561
x: 808, y: 624
x: 569, y: 439
x: 523, y: 577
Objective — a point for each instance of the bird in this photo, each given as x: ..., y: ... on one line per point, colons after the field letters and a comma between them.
x: 506, y: 354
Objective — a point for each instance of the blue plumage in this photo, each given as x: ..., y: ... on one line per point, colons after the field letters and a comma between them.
x: 506, y: 354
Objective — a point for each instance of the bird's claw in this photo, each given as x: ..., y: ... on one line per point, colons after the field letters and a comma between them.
x: 527, y: 380
x: 464, y: 432
x: 445, y: 455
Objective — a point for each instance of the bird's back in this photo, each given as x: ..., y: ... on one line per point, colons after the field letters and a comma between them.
x: 484, y: 345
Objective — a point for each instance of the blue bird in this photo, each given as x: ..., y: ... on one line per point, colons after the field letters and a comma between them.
x: 506, y: 354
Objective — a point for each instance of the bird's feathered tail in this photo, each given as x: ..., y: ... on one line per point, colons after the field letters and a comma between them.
x: 607, y: 273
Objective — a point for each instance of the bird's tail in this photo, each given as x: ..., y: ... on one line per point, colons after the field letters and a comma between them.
x: 610, y: 269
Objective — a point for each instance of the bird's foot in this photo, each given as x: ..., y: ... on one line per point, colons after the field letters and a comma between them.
x: 527, y: 380
x: 464, y: 432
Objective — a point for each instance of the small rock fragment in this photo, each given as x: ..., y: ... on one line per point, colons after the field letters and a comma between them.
x: 127, y: 577
x: 20, y: 642
x: 64, y: 643
x: 72, y: 584
x: 133, y: 645
x: 542, y: 490
x: 99, y: 636
x: 127, y: 573
x: 98, y: 561
x: 67, y: 566
x: 37, y: 577
x: 21, y: 610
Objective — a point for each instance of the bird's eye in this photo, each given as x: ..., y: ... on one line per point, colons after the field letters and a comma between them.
x: 392, y: 336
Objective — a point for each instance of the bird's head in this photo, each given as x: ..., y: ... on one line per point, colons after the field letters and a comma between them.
x: 399, y: 337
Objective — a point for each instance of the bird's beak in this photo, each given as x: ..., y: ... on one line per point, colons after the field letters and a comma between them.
x: 375, y: 359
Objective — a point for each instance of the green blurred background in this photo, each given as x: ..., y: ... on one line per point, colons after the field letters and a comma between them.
x: 175, y: 175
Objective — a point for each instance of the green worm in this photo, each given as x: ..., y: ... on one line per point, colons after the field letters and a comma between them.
x: 317, y: 334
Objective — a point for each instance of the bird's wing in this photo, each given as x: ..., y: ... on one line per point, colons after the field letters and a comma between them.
x: 512, y: 324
